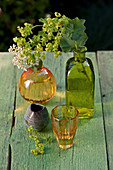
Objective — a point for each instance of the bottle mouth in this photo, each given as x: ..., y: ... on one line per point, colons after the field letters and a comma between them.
x: 36, y: 107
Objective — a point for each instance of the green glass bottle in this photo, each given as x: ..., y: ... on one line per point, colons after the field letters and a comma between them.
x: 80, y: 81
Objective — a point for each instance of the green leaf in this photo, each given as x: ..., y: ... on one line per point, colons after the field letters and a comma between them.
x: 80, y: 37
x: 78, y: 25
x: 75, y: 36
x: 67, y: 44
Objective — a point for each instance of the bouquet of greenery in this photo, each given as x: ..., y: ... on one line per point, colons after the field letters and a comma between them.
x: 58, y: 34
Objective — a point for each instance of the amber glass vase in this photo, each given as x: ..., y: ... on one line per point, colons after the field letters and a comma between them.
x: 37, y: 85
x: 80, y: 81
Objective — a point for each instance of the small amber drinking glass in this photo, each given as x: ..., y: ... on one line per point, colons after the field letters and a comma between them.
x: 64, y: 120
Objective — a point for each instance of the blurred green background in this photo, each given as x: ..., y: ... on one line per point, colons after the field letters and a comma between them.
x: 98, y: 15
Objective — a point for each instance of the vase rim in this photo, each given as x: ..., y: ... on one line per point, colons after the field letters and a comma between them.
x: 36, y: 107
x: 52, y: 115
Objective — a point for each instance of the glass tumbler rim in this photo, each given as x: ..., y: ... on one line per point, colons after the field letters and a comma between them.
x: 77, y: 112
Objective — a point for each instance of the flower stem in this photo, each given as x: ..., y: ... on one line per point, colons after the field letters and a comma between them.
x: 36, y: 26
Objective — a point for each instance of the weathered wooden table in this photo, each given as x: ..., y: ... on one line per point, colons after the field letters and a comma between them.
x: 92, y: 149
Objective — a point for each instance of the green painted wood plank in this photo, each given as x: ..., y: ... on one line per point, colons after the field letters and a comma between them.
x: 105, y: 61
x: 7, y: 90
x: 89, y: 150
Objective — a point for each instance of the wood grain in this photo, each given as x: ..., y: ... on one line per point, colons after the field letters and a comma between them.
x: 89, y: 149
x: 105, y: 62
x: 7, y: 91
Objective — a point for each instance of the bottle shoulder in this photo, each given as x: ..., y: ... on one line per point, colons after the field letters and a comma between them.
x: 71, y: 62
x: 78, y: 69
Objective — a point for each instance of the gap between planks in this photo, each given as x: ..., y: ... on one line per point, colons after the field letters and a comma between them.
x: 107, y: 154
x: 13, y: 122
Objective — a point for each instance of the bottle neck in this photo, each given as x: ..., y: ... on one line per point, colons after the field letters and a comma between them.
x: 79, y: 57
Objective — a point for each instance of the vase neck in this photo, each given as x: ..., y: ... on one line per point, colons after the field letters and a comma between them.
x: 79, y: 57
x: 38, y: 65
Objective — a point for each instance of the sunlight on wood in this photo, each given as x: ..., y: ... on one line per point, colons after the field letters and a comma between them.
x: 60, y: 94
x: 19, y: 109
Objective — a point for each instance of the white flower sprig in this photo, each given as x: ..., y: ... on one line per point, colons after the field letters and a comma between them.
x: 18, y: 60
